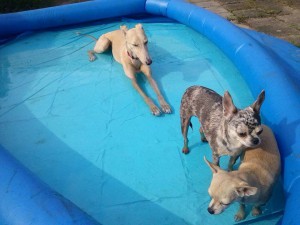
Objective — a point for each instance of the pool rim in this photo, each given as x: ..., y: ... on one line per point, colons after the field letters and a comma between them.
x: 264, y: 71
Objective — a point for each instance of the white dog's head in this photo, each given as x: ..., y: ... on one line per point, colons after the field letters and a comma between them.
x: 225, y: 188
x: 136, y: 43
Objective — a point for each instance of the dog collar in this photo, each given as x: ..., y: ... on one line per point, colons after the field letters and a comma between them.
x: 131, y: 56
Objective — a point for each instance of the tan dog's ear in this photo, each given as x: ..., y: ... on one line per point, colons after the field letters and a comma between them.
x: 228, y: 106
x: 124, y: 29
x: 214, y: 168
x: 259, y: 101
x: 245, y: 191
x: 140, y: 26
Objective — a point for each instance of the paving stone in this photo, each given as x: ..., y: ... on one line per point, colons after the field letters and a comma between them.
x: 227, y: 15
x: 270, y: 7
x: 271, y: 26
x: 209, y: 4
x: 249, y: 13
x: 294, y: 39
x: 291, y: 19
x: 242, y: 5
x: 286, y: 10
x: 228, y: 1
x: 293, y: 3
x: 280, y: 18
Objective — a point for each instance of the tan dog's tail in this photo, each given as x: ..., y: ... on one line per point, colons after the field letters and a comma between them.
x: 87, y: 35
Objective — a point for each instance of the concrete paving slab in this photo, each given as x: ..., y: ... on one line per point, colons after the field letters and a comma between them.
x: 280, y: 18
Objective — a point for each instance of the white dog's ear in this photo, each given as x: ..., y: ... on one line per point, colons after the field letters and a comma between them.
x: 245, y: 191
x: 124, y: 29
x: 140, y: 26
x: 214, y: 168
x: 259, y: 101
x: 228, y: 107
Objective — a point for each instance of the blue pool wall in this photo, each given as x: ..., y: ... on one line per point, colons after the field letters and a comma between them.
x: 27, y: 200
x: 265, y: 63
x: 16, y: 23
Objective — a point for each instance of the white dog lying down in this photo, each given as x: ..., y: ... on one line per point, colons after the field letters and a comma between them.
x: 129, y: 48
x: 252, y: 183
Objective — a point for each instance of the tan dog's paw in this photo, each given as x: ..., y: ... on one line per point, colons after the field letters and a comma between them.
x: 256, y: 211
x: 239, y: 216
x: 166, y: 108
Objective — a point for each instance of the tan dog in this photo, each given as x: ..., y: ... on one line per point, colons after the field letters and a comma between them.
x: 251, y: 184
x: 129, y: 48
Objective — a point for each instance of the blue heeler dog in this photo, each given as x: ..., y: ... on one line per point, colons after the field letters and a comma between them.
x: 228, y: 130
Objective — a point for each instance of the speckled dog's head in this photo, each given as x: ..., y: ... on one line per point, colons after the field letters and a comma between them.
x: 243, y: 125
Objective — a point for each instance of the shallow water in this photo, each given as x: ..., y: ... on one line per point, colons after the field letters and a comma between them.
x: 84, y: 130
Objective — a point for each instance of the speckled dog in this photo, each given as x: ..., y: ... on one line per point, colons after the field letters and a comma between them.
x: 228, y: 130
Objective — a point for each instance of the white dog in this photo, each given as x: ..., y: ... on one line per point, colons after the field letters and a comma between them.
x: 129, y: 48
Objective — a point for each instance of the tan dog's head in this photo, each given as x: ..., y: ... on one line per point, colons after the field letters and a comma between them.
x: 225, y: 188
x: 136, y: 43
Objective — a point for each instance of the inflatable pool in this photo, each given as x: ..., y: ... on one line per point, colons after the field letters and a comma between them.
x: 42, y: 125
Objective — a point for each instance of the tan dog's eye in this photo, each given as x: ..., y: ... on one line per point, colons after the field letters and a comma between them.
x: 146, y: 42
x: 135, y: 45
x: 224, y: 203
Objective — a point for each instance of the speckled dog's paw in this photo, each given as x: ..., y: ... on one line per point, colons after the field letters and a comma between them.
x: 185, y: 150
x: 92, y: 58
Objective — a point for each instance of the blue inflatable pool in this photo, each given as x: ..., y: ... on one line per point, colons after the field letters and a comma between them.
x: 262, y: 61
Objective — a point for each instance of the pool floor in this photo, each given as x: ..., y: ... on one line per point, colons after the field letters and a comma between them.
x: 83, y: 129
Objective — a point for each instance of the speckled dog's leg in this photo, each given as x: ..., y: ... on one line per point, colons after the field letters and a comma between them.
x: 185, y: 121
x: 202, y: 135
x: 185, y: 118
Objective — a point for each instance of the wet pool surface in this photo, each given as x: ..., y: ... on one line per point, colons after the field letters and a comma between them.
x: 83, y: 129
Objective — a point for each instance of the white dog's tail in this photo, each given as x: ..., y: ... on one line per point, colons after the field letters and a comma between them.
x: 87, y: 35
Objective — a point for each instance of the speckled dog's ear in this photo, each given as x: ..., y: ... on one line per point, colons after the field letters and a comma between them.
x: 259, y: 101
x: 228, y: 107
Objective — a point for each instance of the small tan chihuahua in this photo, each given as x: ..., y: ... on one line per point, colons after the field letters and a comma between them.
x: 252, y: 183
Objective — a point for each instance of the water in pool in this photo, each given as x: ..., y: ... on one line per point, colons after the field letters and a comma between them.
x: 83, y: 129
